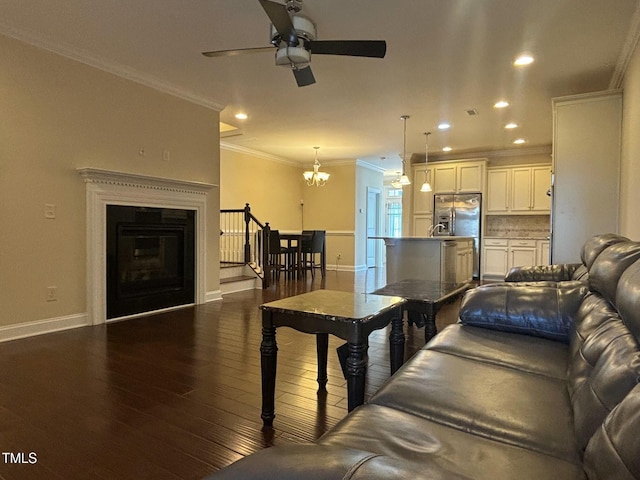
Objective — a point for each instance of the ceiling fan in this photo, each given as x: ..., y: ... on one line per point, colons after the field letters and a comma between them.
x: 294, y: 37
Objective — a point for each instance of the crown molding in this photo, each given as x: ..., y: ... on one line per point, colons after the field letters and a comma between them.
x: 256, y: 153
x: 83, y: 56
x: 512, y: 152
x: 629, y: 47
x: 370, y: 166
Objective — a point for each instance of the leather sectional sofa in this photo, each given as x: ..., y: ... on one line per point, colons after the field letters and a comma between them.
x: 536, y: 381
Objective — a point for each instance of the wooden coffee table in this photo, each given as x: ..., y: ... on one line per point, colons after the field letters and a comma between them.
x: 425, y: 297
x: 350, y: 316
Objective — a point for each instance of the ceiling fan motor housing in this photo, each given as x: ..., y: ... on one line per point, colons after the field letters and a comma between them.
x: 295, y: 56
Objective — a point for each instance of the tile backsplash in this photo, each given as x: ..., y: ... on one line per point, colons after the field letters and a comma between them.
x: 535, y: 226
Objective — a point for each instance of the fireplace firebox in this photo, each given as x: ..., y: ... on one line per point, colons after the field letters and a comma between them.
x: 150, y: 259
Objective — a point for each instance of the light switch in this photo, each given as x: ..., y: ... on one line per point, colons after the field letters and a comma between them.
x: 49, y: 210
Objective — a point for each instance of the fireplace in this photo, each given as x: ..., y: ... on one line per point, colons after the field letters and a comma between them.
x: 173, y: 213
x: 150, y: 259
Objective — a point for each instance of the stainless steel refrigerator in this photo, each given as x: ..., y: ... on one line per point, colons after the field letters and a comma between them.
x: 459, y: 215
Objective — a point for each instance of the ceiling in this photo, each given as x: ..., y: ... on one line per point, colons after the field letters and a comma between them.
x: 443, y: 58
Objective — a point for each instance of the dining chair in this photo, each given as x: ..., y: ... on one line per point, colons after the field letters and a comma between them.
x: 311, y: 246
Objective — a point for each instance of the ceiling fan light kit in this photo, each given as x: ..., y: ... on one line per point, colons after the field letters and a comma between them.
x: 294, y: 36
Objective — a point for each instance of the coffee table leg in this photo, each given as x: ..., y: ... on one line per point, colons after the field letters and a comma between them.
x: 269, y: 359
x: 322, y: 346
x: 356, y: 368
x: 396, y: 343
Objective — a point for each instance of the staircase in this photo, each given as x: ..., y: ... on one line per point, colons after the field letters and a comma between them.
x: 238, y: 277
x: 244, y: 251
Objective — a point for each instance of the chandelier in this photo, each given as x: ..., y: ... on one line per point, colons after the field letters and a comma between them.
x: 316, y: 177
x: 403, y: 180
x: 425, y: 186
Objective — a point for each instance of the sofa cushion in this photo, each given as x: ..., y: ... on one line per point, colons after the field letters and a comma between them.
x: 628, y: 299
x: 538, y: 273
x: 515, y: 407
x: 326, y: 462
x: 606, y: 369
x: 607, y: 269
x: 612, y: 452
x: 521, y: 352
x: 416, y: 440
x: 537, y: 310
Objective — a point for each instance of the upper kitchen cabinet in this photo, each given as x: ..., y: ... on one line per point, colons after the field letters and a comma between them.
x: 520, y: 190
x: 422, y: 201
x: 459, y: 176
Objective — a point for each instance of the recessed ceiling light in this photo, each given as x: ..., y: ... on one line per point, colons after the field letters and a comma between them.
x: 524, y: 59
x: 519, y: 141
x: 241, y: 116
x: 511, y: 125
x: 501, y: 104
x: 447, y: 149
x: 444, y: 126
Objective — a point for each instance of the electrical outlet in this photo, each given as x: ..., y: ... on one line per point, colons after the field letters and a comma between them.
x: 52, y: 294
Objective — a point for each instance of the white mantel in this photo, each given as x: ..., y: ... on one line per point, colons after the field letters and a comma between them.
x: 105, y: 187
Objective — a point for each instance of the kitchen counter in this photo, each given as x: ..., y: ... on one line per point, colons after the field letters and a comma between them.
x: 441, y: 259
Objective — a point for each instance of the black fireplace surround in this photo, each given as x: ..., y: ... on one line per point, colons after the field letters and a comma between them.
x: 150, y: 259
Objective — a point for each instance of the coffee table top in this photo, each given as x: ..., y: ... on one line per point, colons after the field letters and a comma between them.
x: 336, y: 306
x: 428, y: 291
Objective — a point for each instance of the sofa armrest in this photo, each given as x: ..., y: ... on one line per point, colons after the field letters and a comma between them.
x: 539, y: 310
x: 551, y: 273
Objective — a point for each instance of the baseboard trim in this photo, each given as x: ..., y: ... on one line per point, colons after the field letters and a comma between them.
x: 41, y: 327
x: 347, y: 268
x: 213, y: 296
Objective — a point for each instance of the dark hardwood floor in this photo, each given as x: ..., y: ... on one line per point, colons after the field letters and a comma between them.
x: 174, y: 395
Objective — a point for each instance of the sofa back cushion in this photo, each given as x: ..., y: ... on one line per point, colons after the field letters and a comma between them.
x: 606, y: 369
x: 609, y: 266
x: 596, y: 244
x: 628, y: 299
x: 612, y: 452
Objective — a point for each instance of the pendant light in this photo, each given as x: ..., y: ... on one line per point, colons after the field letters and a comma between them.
x: 404, y: 180
x: 315, y: 176
x: 425, y: 186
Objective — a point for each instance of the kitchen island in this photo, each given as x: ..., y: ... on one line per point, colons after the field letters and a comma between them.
x: 441, y: 259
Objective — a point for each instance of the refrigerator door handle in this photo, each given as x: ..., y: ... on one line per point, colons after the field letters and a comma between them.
x: 452, y: 231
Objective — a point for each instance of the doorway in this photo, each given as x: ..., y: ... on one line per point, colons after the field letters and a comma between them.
x: 373, y: 225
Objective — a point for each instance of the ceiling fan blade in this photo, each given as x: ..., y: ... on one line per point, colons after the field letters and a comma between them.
x: 281, y: 20
x: 238, y: 51
x: 353, y: 48
x: 304, y: 76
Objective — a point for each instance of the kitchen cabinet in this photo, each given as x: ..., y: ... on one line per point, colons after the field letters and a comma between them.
x: 422, y: 201
x: 464, y: 261
x: 520, y: 190
x: 422, y: 225
x: 543, y: 252
x: 442, y: 259
x: 459, y: 177
x: 502, y: 254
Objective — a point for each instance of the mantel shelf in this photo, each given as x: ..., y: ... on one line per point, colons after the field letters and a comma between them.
x: 98, y: 175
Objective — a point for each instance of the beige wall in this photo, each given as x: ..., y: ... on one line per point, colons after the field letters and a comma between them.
x: 272, y: 188
x: 277, y: 200
x: 332, y: 208
x: 630, y: 170
x: 57, y: 115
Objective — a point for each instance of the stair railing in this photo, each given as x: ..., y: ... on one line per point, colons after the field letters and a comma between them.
x: 244, y: 240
